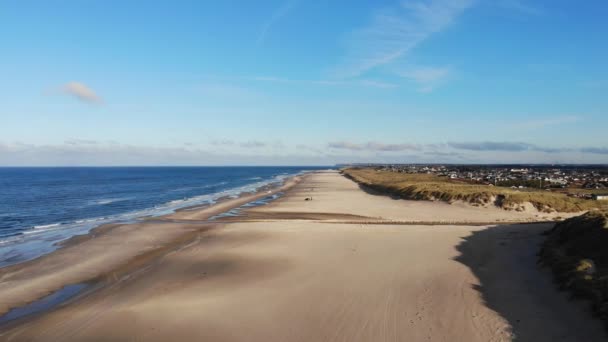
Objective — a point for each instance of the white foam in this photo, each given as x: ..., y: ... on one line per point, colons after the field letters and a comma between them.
x: 104, y: 201
x: 20, y: 244
x: 44, y: 226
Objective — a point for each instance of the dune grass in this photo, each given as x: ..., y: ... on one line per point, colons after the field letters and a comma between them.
x: 575, y: 249
x: 432, y: 187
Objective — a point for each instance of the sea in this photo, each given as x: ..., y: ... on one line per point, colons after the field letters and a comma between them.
x: 40, y: 207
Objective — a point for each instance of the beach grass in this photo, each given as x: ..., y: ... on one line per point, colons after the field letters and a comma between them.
x: 575, y: 250
x: 432, y: 187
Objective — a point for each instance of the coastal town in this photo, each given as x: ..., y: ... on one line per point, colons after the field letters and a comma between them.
x: 583, y: 181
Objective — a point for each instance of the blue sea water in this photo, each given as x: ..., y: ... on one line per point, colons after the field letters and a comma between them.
x: 42, y: 206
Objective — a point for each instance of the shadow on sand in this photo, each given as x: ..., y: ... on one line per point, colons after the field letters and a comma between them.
x: 504, y: 260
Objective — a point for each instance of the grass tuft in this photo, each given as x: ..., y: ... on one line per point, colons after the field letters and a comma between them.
x: 435, y: 188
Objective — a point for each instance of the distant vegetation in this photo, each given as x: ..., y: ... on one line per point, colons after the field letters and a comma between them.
x: 432, y: 187
x: 576, y: 250
x: 527, y: 183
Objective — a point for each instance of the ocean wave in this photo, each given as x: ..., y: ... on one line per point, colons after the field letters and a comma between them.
x: 41, y: 239
x: 36, y: 231
x: 46, y: 226
x: 105, y: 201
x: 4, y: 235
x: 173, y: 205
x: 198, y: 187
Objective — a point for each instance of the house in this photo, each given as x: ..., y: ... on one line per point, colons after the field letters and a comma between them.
x: 600, y: 197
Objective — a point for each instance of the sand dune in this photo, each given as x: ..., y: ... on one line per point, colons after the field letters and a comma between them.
x: 295, y: 271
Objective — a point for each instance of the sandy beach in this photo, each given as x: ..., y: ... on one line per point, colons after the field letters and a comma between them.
x: 348, y: 265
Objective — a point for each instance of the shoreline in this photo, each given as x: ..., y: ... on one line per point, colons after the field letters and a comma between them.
x: 140, y: 256
x: 33, y: 243
x: 104, y: 227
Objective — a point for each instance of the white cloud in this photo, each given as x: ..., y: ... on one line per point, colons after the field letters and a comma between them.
x: 82, y: 92
x: 113, y: 153
x: 392, y: 33
x: 492, y: 146
x: 427, y: 78
x: 118, y: 154
x: 508, y: 147
x: 372, y: 146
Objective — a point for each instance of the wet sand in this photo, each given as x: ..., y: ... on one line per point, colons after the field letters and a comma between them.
x: 317, y: 270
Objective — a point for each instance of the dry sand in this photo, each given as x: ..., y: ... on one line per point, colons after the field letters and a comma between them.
x: 300, y: 270
x: 334, y: 194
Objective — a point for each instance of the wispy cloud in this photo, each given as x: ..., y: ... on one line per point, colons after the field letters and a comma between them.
x: 546, y: 122
x: 115, y: 153
x: 427, y: 78
x: 494, y: 146
x: 313, y: 149
x: 523, y: 147
x: 351, y: 83
x: 491, y: 146
x: 393, y: 33
x: 595, y: 150
x: 345, y: 145
x: 521, y: 6
x: 90, y: 152
x: 445, y: 154
x: 81, y: 142
x: 279, y: 13
x: 222, y: 142
x: 82, y: 92
x: 250, y: 144
x: 372, y: 146
x: 253, y: 144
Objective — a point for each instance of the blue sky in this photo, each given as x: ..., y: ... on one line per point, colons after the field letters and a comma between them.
x: 303, y: 82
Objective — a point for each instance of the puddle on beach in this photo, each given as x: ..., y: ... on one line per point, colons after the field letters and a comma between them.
x: 42, y: 304
x: 237, y: 211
